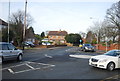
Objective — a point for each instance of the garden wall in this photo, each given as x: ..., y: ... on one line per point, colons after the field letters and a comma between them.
x: 109, y: 47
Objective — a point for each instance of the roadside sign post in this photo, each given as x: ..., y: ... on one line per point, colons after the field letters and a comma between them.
x: 81, y: 41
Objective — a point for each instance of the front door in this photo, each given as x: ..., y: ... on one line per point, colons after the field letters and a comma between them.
x: 5, y: 52
x: 13, y: 51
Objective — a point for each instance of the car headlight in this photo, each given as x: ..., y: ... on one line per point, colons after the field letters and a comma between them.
x: 86, y: 47
x: 104, y: 60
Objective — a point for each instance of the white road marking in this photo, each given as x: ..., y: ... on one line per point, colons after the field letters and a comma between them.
x: 39, y: 63
x: 12, y: 66
x: 81, y: 56
x: 48, y: 56
x: 11, y: 71
x: 27, y: 64
x: 22, y: 71
x: 30, y: 66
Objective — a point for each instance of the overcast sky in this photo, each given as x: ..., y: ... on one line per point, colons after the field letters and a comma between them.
x: 52, y: 16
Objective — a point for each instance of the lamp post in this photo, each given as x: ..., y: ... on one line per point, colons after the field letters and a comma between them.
x: 97, y: 40
x: 9, y: 22
x: 24, y: 24
x: 106, y: 44
x: 97, y: 35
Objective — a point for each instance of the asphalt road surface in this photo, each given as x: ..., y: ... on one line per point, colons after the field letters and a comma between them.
x: 55, y: 63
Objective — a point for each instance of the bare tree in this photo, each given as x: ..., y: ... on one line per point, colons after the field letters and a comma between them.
x: 18, y: 17
x: 83, y: 35
x: 110, y: 27
x: 90, y: 37
x: 17, y: 24
x: 103, y: 30
x: 111, y: 33
x: 113, y: 17
x: 97, y: 30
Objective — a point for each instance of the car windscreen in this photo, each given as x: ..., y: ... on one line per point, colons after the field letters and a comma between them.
x: 87, y: 45
x: 112, y: 53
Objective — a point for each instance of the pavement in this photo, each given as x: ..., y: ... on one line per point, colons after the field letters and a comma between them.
x: 100, y: 51
x: 77, y: 50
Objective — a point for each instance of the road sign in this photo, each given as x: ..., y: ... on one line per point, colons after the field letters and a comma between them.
x: 80, y: 41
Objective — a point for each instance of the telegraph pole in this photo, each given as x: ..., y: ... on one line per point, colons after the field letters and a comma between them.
x: 9, y: 22
x: 24, y: 24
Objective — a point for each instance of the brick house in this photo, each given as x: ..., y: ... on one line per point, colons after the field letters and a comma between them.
x: 30, y: 36
x: 57, y: 37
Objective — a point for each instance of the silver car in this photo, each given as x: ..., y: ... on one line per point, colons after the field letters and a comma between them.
x: 9, y: 52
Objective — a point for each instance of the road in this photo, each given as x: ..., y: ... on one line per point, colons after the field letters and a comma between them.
x: 55, y: 63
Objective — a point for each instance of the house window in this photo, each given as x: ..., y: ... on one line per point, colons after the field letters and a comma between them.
x: 56, y: 36
x: 33, y: 40
x: 50, y: 36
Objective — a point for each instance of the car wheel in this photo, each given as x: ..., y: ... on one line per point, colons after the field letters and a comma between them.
x: 84, y: 50
x: 93, y: 50
x: 19, y: 57
x: 111, y: 66
x: 0, y: 60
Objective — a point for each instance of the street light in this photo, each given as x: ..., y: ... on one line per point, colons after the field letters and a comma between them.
x: 97, y: 36
x: 106, y: 44
x: 9, y: 22
x: 24, y: 24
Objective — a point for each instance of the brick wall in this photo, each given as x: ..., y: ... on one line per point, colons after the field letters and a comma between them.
x: 110, y: 47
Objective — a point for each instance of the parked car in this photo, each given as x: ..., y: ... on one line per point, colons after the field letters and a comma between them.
x: 9, y: 52
x: 46, y: 43
x: 87, y: 47
x: 109, y: 60
x: 29, y: 43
